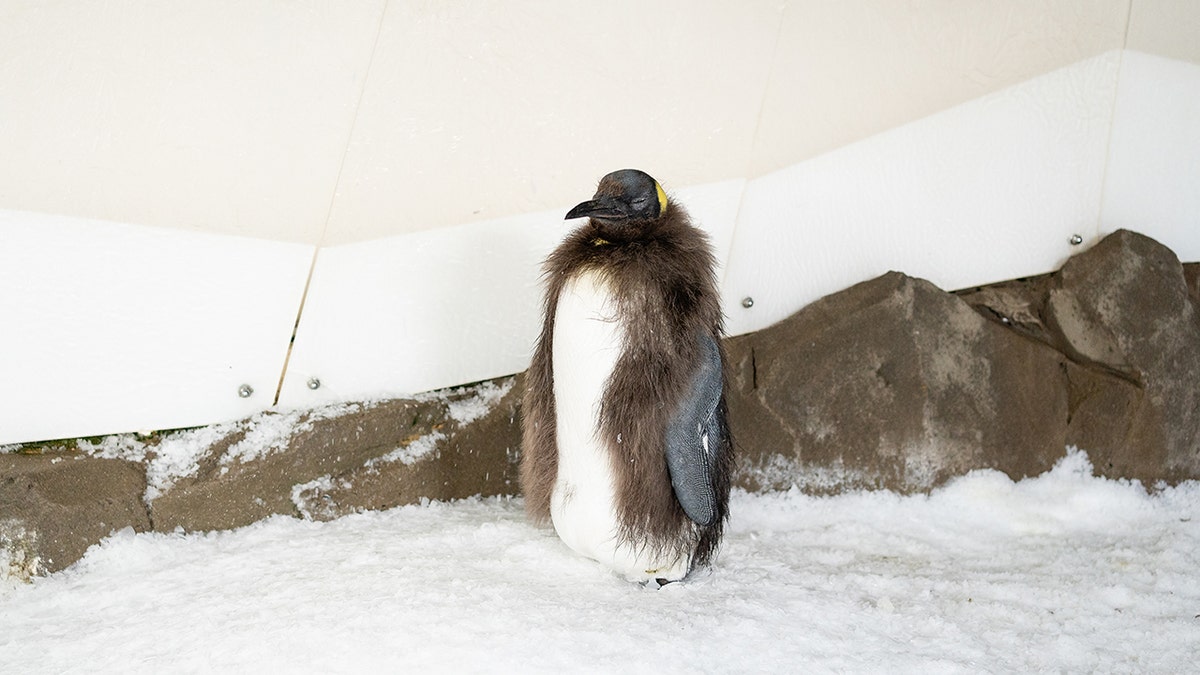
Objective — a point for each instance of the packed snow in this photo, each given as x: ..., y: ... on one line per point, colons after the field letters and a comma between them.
x: 1063, y: 572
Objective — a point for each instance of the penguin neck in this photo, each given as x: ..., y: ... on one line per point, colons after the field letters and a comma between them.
x: 607, y: 233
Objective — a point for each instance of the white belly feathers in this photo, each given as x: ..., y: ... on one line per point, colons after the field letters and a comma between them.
x: 587, y: 343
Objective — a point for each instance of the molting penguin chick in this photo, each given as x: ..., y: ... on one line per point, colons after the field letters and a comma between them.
x: 626, y: 447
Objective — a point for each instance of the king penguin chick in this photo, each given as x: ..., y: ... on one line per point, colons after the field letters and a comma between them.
x: 626, y: 447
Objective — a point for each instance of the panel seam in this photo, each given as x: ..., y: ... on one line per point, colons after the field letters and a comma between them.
x: 754, y: 142
x: 1112, y: 122
x: 337, y: 183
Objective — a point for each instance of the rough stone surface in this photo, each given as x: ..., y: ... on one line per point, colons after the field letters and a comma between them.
x: 1124, y: 306
x: 56, y: 500
x: 892, y: 383
x: 473, y: 450
x: 54, y: 506
x: 446, y: 445
x: 229, y: 491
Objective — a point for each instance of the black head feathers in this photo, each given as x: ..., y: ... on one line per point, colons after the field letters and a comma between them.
x: 625, y: 195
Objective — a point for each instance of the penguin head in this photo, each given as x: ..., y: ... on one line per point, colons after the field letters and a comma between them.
x: 625, y: 195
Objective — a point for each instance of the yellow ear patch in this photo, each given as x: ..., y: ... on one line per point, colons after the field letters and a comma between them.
x: 662, y: 198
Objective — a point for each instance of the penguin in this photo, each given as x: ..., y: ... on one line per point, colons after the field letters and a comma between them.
x: 626, y: 449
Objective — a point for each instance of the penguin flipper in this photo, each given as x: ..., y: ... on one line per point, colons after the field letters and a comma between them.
x: 694, y: 436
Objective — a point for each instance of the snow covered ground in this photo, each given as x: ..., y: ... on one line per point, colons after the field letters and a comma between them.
x: 1064, y: 572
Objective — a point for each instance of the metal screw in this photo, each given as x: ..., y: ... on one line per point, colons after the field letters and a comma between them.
x: 245, y: 391
x: 747, y: 302
x: 314, y: 383
x: 1076, y: 240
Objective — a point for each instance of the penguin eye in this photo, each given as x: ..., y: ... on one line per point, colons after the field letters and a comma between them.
x: 639, y: 203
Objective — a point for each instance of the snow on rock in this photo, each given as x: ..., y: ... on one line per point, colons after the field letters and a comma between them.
x: 780, y: 472
x: 482, y: 397
x: 177, y: 454
x: 18, y: 559
x: 311, y: 498
x: 129, y: 447
x: 463, y: 410
x: 269, y: 432
x: 265, y: 434
x: 481, y: 402
x: 1063, y: 572
x: 410, y: 453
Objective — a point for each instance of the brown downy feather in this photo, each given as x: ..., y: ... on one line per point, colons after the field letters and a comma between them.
x: 661, y: 273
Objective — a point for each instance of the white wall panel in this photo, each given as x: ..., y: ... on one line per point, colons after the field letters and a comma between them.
x: 985, y: 191
x: 405, y: 314
x: 442, y: 307
x: 107, y: 327
x: 1153, y: 180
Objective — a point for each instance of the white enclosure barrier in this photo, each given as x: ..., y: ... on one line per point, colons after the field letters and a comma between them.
x: 1153, y: 180
x: 107, y: 327
x: 988, y: 190
x: 425, y: 154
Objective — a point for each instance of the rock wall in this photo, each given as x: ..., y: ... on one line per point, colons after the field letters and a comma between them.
x: 896, y: 384
x: 58, y: 498
x: 892, y: 383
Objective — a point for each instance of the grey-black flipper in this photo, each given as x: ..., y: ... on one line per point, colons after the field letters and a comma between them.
x: 693, y: 437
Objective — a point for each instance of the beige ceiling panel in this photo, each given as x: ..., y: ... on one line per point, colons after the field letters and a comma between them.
x: 228, y: 115
x: 847, y: 69
x: 1166, y: 27
x: 475, y: 111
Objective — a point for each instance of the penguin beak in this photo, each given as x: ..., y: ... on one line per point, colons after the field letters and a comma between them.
x: 605, y: 208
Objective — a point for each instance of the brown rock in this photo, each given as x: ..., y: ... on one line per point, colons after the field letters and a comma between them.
x: 316, y: 464
x: 333, y: 461
x: 1125, y: 305
x: 1103, y: 421
x: 250, y: 474
x: 1018, y: 304
x: 1099, y: 397
x: 473, y: 450
x: 1191, y: 275
x: 54, y: 506
x: 892, y: 383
